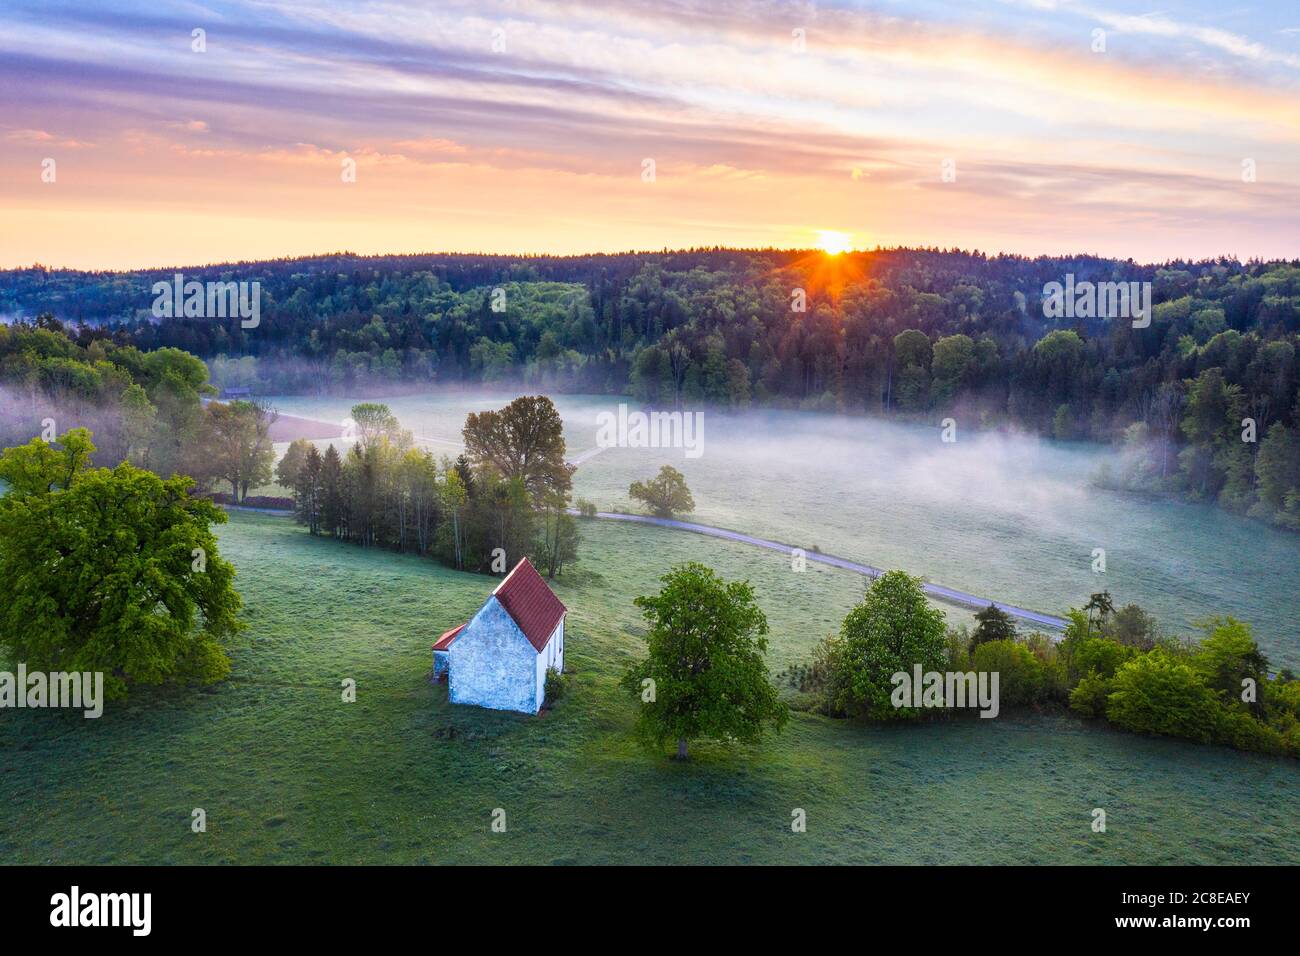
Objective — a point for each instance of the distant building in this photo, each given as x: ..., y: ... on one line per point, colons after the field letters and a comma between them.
x: 500, y: 657
x: 236, y: 391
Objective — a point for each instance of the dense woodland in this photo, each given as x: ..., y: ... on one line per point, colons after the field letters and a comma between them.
x: 915, y: 333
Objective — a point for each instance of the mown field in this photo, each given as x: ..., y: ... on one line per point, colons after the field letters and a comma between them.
x: 289, y: 773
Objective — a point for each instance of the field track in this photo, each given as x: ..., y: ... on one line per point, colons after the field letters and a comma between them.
x: 938, y: 591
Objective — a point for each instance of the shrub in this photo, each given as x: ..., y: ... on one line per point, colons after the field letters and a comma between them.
x: 1291, y: 739
x: 1283, y: 695
x: 1155, y: 693
x: 1228, y: 656
x: 556, y: 684
x: 959, y: 641
x: 1089, y: 696
x: 1020, y: 673
x: 1237, y: 728
x: 586, y: 508
x: 1132, y: 627
x: 1099, y: 655
x: 1056, y: 679
x: 817, y: 674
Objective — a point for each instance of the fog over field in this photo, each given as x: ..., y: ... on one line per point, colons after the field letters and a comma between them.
x: 1002, y: 515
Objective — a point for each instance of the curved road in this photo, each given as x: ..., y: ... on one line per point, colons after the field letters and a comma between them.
x: 934, y: 590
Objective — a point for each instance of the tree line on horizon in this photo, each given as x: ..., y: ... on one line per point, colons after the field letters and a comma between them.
x: 916, y: 334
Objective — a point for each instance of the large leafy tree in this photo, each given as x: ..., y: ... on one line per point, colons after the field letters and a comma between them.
x: 893, y: 629
x: 175, y: 380
x: 666, y: 494
x: 705, y: 675
x: 112, y: 570
x: 237, y: 443
x: 524, y: 440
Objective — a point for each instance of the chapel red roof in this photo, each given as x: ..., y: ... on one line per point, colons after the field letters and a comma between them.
x: 444, y: 642
x: 532, y: 604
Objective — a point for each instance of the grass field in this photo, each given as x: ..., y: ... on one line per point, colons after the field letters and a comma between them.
x: 289, y: 773
x: 1002, y: 516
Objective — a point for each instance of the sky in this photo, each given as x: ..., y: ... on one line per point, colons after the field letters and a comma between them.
x: 289, y: 127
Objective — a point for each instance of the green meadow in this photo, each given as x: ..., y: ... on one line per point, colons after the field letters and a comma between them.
x: 1004, y: 516
x: 288, y: 773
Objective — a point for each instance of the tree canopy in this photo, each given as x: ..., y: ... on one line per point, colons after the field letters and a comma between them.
x: 705, y: 675
x: 113, y: 570
x: 524, y: 440
x: 924, y: 333
x: 665, y: 495
x: 891, y: 630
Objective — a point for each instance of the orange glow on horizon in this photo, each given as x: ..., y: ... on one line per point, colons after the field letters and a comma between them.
x: 829, y: 273
x: 833, y: 243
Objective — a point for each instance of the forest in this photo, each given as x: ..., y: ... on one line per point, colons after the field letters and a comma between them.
x: 1203, y: 400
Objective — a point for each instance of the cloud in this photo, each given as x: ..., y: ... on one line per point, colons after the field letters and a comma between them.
x: 755, y: 140
x: 39, y: 137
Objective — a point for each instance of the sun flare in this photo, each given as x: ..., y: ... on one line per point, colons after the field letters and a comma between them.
x: 833, y: 243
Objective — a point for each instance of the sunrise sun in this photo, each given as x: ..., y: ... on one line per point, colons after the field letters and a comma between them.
x: 833, y: 243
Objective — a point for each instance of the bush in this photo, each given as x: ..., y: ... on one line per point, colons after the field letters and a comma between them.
x: 1237, y: 728
x: 814, y: 677
x: 1020, y: 673
x: 1089, y: 696
x: 1132, y: 627
x: 1291, y: 739
x: 586, y: 509
x: 1228, y: 657
x: 1280, y: 695
x: 1056, y: 678
x: 1155, y: 693
x: 1099, y: 655
x: 556, y: 684
x: 959, y: 641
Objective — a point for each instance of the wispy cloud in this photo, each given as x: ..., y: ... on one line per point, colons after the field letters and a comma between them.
x: 764, y: 119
